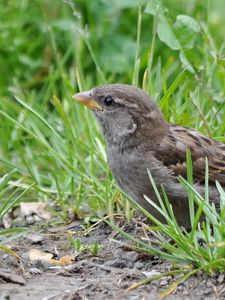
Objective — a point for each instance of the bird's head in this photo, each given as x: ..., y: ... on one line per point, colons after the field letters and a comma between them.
x: 125, y: 112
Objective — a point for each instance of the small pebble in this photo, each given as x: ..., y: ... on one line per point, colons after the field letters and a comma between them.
x: 7, y: 221
x: 209, y: 283
x: 35, y: 238
x: 139, y: 265
x: 30, y: 220
x: 151, y: 273
x: 131, y: 256
x: 220, y: 278
x: 117, y: 263
x: 35, y: 271
x: 163, y: 282
x: 207, y: 291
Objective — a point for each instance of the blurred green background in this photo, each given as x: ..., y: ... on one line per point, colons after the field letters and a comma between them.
x: 51, y: 49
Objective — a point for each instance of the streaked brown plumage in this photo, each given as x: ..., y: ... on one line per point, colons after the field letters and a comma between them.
x: 172, y: 152
x: 138, y: 138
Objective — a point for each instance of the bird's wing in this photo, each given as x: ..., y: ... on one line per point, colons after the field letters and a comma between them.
x: 172, y: 153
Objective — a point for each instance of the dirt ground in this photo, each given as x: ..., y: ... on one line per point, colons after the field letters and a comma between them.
x: 105, y: 276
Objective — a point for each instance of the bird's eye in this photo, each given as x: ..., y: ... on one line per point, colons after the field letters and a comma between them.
x: 109, y: 102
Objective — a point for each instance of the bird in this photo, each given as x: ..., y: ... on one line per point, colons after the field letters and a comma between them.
x: 139, y: 139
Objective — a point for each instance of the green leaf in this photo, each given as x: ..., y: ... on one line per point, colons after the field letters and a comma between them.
x: 164, y: 30
x: 186, y: 30
x: 118, y: 4
x: 177, y: 36
x: 153, y: 6
x: 186, y: 63
x: 166, y: 33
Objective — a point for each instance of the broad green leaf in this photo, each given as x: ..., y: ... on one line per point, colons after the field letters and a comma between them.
x: 166, y: 33
x: 186, y: 30
x: 153, y: 6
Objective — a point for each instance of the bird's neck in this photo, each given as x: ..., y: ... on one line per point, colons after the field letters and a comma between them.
x: 145, y: 136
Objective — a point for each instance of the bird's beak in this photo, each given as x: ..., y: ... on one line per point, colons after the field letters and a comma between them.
x: 86, y: 99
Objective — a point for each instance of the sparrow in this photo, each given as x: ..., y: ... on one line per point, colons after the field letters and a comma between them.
x: 138, y: 138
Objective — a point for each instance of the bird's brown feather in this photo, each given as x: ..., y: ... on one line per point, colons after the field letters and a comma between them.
x: 172, y: 152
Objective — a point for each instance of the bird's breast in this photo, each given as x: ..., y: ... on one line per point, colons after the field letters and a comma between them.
x: 130, y: 171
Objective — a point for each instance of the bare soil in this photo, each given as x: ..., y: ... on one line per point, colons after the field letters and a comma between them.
x: 105, y: 276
